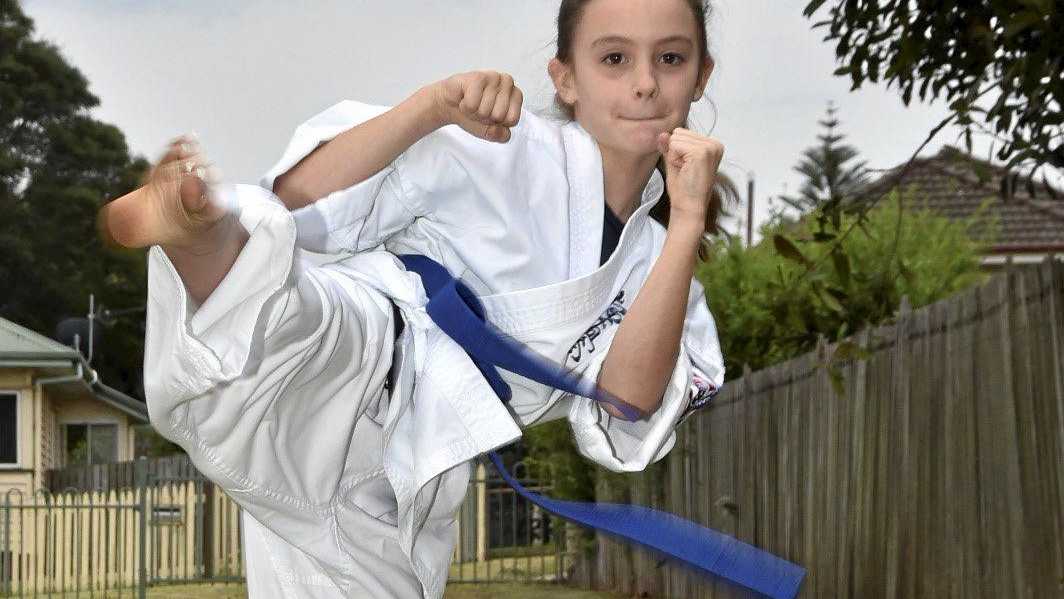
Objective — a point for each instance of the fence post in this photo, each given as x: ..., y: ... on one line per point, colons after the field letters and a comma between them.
x: 482, y: 513
x: 140, y: 480
x: 6, y: 562
x: 207, y: 514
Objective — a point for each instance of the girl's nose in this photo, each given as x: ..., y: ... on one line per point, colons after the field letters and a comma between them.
x: 649, y: 91
x: 645, y: 83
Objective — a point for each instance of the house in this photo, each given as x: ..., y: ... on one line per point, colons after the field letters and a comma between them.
x: 955, y: 184
x: 55, y: 412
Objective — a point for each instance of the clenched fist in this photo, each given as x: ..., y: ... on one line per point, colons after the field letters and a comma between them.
x: 484, y: 103
x: 691, y: 162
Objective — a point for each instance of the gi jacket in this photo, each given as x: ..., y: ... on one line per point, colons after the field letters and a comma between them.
x: 264, y: 384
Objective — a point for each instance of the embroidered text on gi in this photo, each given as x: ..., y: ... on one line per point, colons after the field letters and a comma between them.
x: 613, y: 315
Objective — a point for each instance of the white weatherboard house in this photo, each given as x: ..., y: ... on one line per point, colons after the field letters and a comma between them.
x: 55, y: 412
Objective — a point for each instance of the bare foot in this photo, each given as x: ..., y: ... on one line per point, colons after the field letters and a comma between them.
x: 174, y: 208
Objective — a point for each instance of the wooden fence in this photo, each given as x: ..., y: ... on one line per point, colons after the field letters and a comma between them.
x: 938, y: 473
x: 121, y: 528
x: 117, y: 529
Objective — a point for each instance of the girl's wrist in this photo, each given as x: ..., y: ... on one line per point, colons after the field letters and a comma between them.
x: 431, y: 107
x: 686, y: 226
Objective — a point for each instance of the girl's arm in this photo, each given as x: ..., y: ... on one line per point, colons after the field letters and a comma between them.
x: 647, y: 343
x: 483, y: 103
x: 356, y: 154
x: 644, y: 350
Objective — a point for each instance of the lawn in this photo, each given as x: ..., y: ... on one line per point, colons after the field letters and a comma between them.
x: 500, y: 571
x: 454, y: 591
x: 520, y: 591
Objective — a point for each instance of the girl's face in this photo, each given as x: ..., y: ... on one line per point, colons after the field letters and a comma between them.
x: 636, y: 69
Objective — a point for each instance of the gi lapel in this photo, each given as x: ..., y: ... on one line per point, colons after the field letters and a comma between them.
x: 583, y: 169
x: 587, y: 197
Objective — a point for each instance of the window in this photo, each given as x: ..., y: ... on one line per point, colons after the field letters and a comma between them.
x: 90, y: 444
x: 8, y: 428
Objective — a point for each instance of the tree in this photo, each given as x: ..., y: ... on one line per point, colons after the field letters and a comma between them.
x: 58, y: 166
x: 772, y: 305
x: 829, y: 178
x: 962, y: 50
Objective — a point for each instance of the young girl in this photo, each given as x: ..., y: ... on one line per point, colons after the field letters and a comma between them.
x: 323, y: 397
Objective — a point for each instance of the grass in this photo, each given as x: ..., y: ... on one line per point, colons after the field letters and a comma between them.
x: 500, y: 573
x: 520, y: 591
x: 231, y: 590
x: 454, y: 591
x: 540, y: 568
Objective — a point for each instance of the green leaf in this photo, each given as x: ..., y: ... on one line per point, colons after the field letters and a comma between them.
x: 839, y: 334
x: 845, y: 350
x: 842, y: 266
x: 838, y: 383
x: 907, y: 274
x: 812, y: 7
x: 830, y: 301
x: 786, y: 248
x: 849, y: 350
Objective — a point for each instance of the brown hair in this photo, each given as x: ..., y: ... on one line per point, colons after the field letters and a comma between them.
x: 569, y: 15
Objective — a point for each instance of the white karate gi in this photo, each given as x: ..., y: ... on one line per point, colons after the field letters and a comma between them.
x: 274, y: 385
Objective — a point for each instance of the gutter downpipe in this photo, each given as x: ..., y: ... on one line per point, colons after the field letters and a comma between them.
x: 80, y: 366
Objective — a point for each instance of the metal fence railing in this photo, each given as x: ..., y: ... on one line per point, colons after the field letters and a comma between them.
x: 504, y: 537
x: 121, y: 540
x: 119, y: 529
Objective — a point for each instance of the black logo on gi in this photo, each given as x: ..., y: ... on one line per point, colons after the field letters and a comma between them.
x: 613, y: 315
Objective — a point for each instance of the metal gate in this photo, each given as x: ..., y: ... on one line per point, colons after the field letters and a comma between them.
x: 159, y: 523
x: 69, y: 541
x: 194, y: 531
x: 156, y: 522
x: 504, y: 537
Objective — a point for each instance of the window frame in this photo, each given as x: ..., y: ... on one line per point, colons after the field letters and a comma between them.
x: 17, y: 464
x: 88, y: 438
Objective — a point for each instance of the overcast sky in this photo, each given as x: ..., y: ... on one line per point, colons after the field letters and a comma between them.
x: 243, y: 74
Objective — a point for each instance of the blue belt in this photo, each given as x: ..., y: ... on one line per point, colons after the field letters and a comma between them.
x: 456, y: 310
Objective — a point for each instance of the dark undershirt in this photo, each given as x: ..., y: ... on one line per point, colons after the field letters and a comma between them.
x: 611, y: 234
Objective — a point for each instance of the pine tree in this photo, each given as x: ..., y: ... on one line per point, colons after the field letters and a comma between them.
x: 829, y: 176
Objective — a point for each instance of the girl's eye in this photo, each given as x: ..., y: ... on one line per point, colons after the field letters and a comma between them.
x: 679, y: 58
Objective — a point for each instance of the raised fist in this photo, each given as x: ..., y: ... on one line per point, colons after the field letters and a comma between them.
x: 484, y: 103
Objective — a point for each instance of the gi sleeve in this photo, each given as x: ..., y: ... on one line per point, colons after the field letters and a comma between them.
x: 364, y: 215
x: 263, y: 383
x: 623, y: 446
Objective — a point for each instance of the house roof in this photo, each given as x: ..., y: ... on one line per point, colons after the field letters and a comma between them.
x: 20, y: 345
x: 17, y: 339
x: 116, y: 399
x: 949, y: 184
